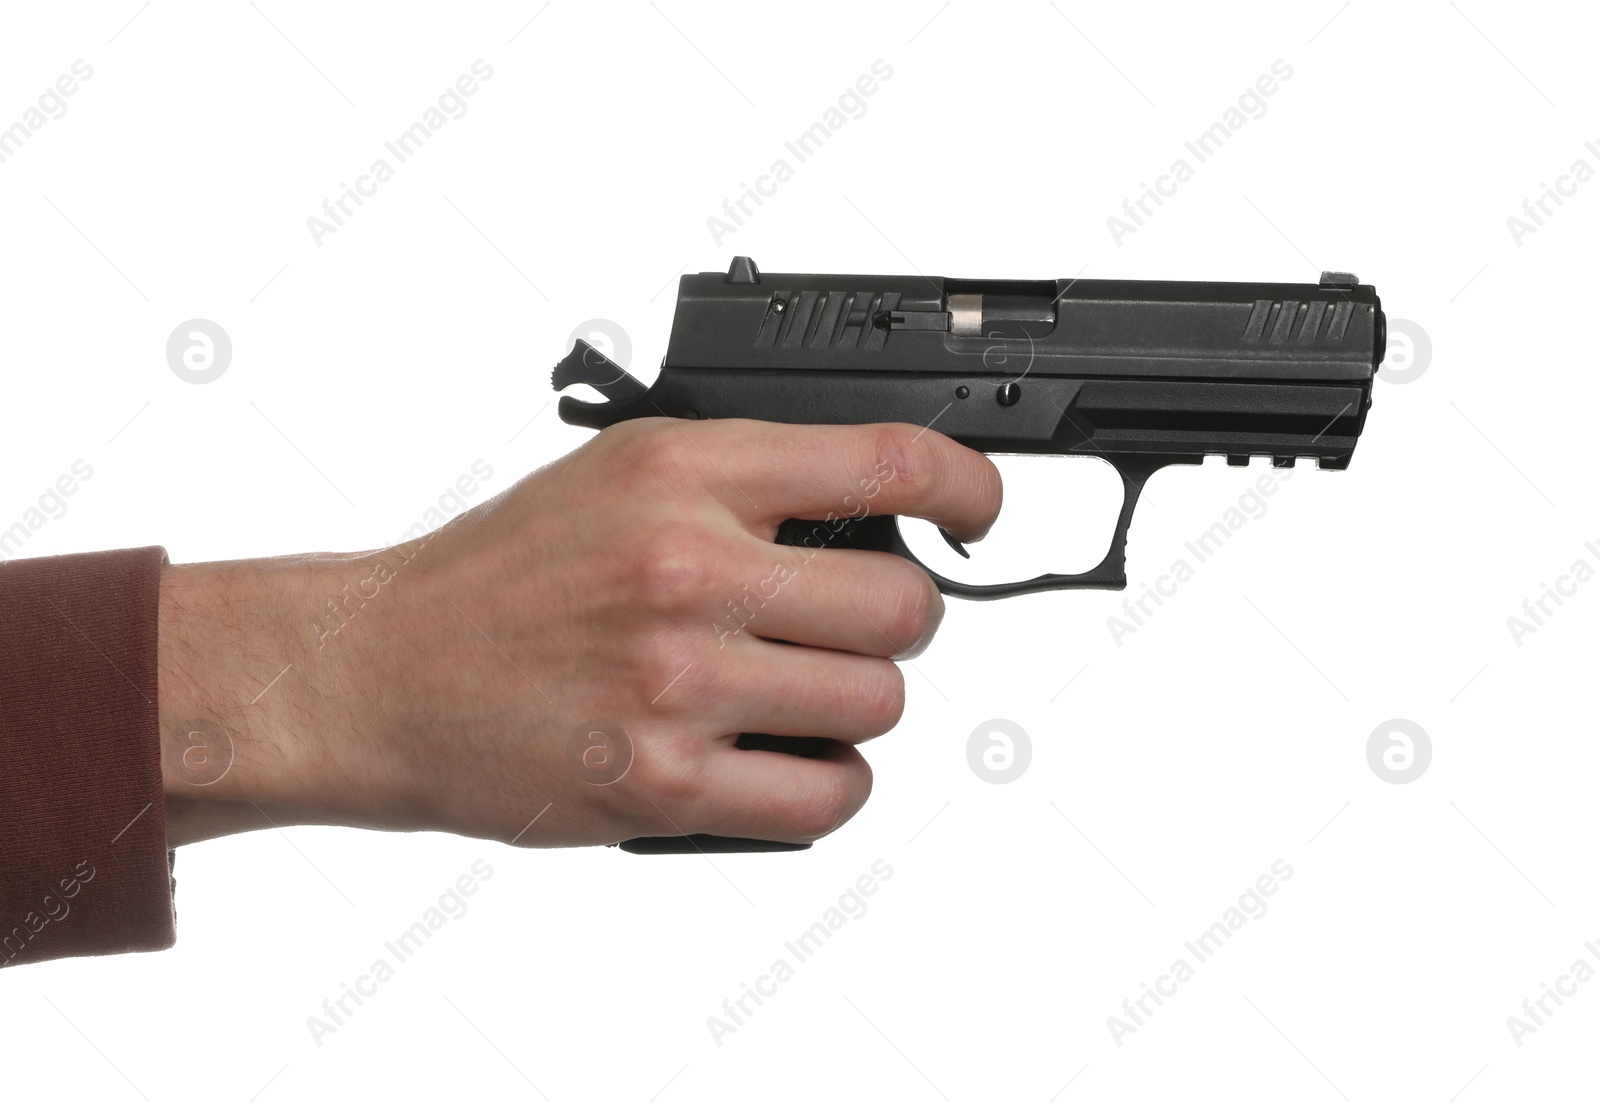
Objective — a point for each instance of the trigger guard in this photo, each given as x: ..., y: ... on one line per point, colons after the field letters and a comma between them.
x: 881, y: 533
x: 1107, y: 575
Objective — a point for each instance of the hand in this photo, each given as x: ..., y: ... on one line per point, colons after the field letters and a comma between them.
x: 449, y: 684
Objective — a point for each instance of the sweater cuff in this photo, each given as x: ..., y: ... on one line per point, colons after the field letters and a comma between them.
x: 84, y: 863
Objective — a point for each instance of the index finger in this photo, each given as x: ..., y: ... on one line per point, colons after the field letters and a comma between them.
x: 812, y: 471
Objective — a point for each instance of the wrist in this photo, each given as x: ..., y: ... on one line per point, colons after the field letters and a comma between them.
x: 252, y: 713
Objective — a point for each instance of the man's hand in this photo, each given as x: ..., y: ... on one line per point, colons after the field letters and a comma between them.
x: 572, y: 661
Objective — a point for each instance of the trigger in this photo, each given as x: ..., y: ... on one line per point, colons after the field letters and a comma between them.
x: 953, y: 543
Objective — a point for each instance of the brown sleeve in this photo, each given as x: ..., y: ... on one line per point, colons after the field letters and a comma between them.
x: 84, y: 865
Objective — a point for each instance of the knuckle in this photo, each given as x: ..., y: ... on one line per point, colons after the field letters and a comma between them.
x: 820, y: 808
x: 660, y: 451
x: 912, y: 602
x: 904, y: 451
x: 882, y: 694
x: 674, y: 568
x: 671, y: 775
x: 991, y: 491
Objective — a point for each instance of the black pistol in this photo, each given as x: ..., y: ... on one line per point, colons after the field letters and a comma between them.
x: 1141, y: 373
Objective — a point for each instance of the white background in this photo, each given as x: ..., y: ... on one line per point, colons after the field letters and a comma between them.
x: 1228, y: 732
